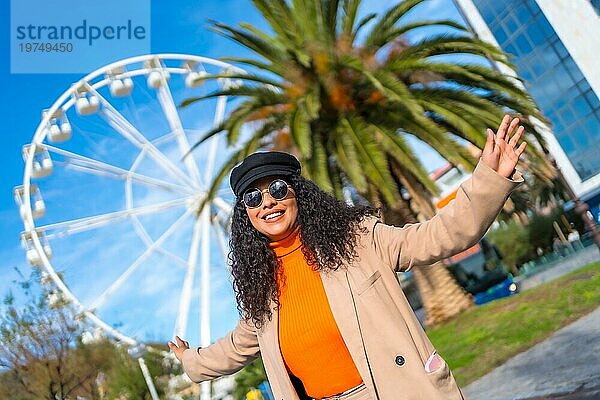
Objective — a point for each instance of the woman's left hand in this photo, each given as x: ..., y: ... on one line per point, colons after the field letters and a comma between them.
x: 500, y: 152
x: 179, y: 348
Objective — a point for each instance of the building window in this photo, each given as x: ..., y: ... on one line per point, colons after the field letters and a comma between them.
x: 551, y: 76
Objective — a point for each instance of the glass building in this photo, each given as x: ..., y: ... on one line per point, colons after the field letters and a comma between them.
x: 534, y: 32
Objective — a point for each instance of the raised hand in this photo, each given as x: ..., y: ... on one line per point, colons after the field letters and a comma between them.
x: 500, y: 152
x: 179, y: 348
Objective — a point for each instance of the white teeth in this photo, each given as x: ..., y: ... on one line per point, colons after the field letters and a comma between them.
x: 275, y: 214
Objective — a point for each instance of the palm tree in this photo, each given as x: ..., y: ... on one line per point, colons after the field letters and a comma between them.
x: 344, y: 94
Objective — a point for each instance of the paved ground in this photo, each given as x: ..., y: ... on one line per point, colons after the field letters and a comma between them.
x: 593, y: 394
x: 567, y: 364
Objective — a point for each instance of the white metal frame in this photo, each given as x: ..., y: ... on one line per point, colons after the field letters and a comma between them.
x: 189, y: 184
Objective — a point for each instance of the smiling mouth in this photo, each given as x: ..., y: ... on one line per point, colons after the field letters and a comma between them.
x: 273, y: 215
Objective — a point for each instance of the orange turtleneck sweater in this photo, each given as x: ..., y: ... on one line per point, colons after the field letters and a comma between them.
x: 309, y: 339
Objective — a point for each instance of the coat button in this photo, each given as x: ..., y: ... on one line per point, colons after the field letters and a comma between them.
x: 400, y: 361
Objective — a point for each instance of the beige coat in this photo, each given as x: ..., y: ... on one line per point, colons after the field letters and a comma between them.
x: 384, y: 338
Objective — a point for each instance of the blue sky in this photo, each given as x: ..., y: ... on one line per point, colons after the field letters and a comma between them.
x: 176, y: 27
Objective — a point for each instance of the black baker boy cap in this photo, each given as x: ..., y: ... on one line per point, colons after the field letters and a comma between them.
x: 261, y: 164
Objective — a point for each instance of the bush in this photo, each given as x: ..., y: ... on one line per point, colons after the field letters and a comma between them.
x: 512, y: 240
x: 518, y: 243
x: 43, y: 354
x: 541, y: 231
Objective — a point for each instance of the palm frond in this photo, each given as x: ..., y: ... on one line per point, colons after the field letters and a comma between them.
x: 348, y: 160
x: 250, y: 146
x: 243, y: 76
x: 267, y: 95
x: 394, y: 89
x: 452, y: 44
x: 475, y: 76
x: 300, y: 131
x: 279, y: 41
x: 432, y: 134
x: 420, y: 196
x: 349, y: 12
x: 386, y: 23
x: 362, y: 23
x: 401, y: 30
x: 371, y: 156
x: 471, y: 129
x: 267, y: 50
x: 330, y: 10
x: 317, y: 170
x: 335, y: 175
x: 280, y: 17
x: 273, y: 68
x: 309, y: 19
x: 397, y: 148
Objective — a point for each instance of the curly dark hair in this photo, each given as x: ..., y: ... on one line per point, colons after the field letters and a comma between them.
x: 328, y: 231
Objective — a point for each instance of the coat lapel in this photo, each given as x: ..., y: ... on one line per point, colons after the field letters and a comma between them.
x: 277, y: 373
x: 339, y: 295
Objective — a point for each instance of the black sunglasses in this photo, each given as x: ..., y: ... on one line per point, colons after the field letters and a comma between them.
x: 278, y: 190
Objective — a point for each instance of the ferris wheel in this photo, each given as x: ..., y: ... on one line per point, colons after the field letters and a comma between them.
x: 110, y: 202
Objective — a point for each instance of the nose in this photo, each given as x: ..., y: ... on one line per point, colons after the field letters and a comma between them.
x: 268, y: 200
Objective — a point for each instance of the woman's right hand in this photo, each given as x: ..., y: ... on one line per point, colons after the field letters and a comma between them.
x: 178, y: 348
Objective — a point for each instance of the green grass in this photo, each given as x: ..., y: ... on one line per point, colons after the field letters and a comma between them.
x: 482, y: 338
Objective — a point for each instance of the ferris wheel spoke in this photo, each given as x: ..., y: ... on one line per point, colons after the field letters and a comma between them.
x: 139, y: 228
x: 220, y: 218
x: 83, y: 224
x: 135, y: 265
x: 205, y: 278
x: 223, y: 191
x: 186, y: 291
x: 163, y: 139
x: 90, y: 165
x: 174, y: 257
x: 214, y: 141
x: 222, y: 205
x: 115, y: 119
x: 138, y: 178
x: 165, y: 98
x: 222, y: 243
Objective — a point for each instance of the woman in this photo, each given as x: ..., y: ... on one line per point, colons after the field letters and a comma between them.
x: 315, y: 282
